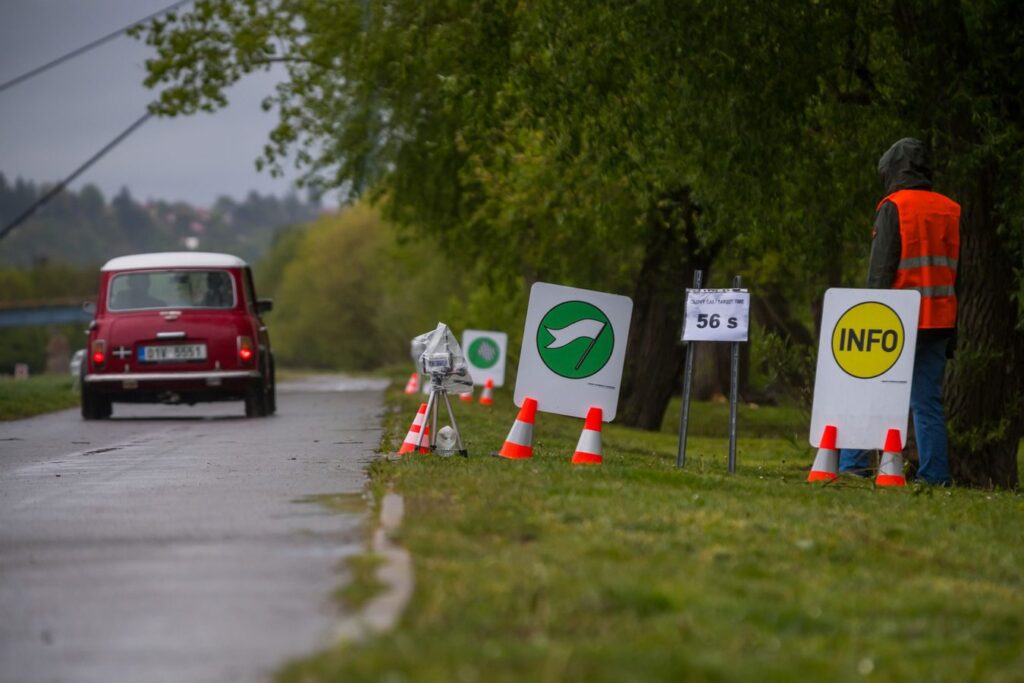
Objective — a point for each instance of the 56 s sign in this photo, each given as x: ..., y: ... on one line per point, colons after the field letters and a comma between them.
x: 717, y: 315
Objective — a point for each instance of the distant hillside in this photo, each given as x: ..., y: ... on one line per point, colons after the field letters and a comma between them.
x: 84, y: 228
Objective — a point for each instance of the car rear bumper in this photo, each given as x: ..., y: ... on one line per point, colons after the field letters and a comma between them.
x: 211, y: 377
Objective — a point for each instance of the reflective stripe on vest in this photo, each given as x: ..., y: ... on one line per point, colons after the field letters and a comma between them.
x: 930, y: 239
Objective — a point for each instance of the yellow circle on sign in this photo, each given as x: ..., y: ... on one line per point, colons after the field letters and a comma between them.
x: 868, y: 340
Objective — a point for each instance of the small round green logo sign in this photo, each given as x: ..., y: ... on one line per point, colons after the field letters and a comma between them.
x: 484, y: 352
x: 575, y: 339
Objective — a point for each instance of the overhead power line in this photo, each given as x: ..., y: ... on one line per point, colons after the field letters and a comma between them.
x: 85, y: 48
x: 77, y: 172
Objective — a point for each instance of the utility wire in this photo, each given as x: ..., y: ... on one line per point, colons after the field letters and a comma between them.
x: 78, y: 171
x: 85, y: 48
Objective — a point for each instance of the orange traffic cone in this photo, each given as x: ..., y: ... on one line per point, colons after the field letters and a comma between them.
x: 826, y: 463
x: 487, y: 397
x: 588, y: 448
x: 413, y: 385
x: 412, y: 439
x: 890, y: 469
x: 466, y: 396
x: 519, y: 444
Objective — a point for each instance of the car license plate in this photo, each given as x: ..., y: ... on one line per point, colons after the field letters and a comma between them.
x: 174, y: 352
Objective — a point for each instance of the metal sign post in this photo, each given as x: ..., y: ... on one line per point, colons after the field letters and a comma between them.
x: 717, y: 315
x: 734, y: 380
x: 684, y: 418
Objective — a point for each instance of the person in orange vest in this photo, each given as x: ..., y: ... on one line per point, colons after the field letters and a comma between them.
x: 916, y: 245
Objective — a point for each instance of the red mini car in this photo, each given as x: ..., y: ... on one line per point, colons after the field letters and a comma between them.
x: 178, y: 327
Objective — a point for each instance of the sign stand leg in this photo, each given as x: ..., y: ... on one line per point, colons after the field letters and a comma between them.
x: 734, y: 380
x: 684, y: 418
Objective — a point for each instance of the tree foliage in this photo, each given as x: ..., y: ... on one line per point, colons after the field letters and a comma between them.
x: 83, y: 228
x: 620, y: 145
x: 349, y: 294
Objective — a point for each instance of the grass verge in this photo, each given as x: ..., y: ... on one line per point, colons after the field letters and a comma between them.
x: 35, y: 395
x: 635, y: 571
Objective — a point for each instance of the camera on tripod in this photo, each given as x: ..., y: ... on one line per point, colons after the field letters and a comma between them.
x: 439, y: 356
x: 437, y: 363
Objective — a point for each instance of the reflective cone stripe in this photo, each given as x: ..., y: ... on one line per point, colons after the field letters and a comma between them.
x: 487, y: 397
x: 413, y: 385
x: 412, y: 439
x: 519, y: 444
x: 588, y: 448
x: 826, y: 463
x: 890, y: 470
x: 467, y: 396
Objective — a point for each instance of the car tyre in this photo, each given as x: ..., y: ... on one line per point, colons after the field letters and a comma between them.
x: 272, y: 389
x: 256, y: 399
x: 94, y: 405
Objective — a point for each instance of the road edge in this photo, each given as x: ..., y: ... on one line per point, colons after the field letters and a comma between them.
x: 394, y: 573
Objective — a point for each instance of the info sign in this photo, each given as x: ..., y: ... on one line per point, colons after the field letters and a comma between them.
x: 574, y: 347
x: 485, y: 355
x: 865, y: 365
x: 721, y: 315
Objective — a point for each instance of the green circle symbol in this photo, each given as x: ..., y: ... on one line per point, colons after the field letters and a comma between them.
x: 484, y: 352
x: 575, y: 339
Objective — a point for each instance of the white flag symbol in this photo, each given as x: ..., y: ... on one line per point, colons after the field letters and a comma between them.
x: 581, y: 328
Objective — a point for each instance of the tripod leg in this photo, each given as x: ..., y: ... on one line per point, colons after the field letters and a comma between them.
x: 433, y: 421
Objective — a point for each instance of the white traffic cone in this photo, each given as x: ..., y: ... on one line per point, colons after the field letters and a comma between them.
x: 487, y: 397
x: 588, y: 448
x: 412, y: 439
x: 826, y: 463
x: 890, y: 469
x: 519, y: 444
x: 413, y: 385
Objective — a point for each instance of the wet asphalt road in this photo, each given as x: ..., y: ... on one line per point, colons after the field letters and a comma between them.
x: 176, y: 543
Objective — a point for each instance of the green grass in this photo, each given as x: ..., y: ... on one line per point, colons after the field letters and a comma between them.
x: 636, y: 571
x: 35, y: 395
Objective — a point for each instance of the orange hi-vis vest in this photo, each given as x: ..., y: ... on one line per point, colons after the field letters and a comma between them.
x: 930, y: 233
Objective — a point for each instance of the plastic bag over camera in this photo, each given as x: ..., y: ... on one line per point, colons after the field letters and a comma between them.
x: 442, y: 360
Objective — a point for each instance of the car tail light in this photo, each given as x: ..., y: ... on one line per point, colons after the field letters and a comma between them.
x: 99, y: 353
x: 246, y: 353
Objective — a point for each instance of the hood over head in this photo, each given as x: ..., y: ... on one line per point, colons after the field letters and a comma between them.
x: 906, y: 166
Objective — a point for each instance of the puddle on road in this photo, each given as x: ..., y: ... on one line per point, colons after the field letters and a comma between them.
x: 337, y: 502
x: 333, y: 384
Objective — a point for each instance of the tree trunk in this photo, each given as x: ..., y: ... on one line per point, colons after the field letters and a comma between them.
x: 712, y: 373
x: 984, y: 391
x: 654, y: 358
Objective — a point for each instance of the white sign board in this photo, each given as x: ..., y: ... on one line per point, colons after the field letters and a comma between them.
x: 574, y: 347
x: 485, y: 354
x: 721, y: 315
x: 865, y: 365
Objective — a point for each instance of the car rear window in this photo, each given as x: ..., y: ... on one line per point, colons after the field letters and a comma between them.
x: 171, y: 289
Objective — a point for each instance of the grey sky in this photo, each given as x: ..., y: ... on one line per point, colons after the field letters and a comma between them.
x: 55, y: 121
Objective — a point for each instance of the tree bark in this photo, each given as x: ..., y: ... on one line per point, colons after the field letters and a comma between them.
x: 984, y: 393
x: 655, y: 356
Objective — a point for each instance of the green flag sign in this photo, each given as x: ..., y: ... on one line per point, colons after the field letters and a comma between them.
x: 575, y: 339
x: 485, y: 354
x: 574, y: 348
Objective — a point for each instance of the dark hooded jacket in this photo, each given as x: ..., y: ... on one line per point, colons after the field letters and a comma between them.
x: 905, y: 166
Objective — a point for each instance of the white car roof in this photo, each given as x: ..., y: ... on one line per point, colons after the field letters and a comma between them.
x: 174, y: 259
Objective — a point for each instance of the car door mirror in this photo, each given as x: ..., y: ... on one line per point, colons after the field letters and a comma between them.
x: 264, y: 306
x: 89, y: 307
